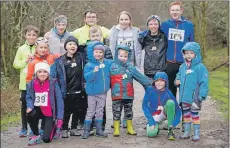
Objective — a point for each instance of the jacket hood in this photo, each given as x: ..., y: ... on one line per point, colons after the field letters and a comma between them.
x: 195, y: 47
x: 90, y: 48
x: 162, y: 76
x: 122, y: 47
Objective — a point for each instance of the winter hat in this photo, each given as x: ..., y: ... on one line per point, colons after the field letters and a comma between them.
x: 99, y: 47
x: 42, y: 65
x: 154, y: 17
x: 60, y: 19
x: 70, y: 39
x: 41, y: 40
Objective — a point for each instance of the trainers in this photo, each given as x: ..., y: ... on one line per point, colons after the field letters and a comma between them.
x: 41, y: 132
x: 80, y: 126
x: 75, y: 132
x: 34, y: 140
x: 65, y: 134
x: 23, y: 133
x: 171, y: 135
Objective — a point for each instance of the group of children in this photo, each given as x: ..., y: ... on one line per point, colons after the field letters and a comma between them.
x: 76, y: 81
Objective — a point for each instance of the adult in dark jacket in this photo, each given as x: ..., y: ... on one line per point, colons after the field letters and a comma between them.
x: 154, y: 42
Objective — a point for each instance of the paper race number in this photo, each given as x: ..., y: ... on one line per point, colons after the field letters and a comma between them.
x: 176, y: 34
x: 128, y: 42
x: 41, y: 99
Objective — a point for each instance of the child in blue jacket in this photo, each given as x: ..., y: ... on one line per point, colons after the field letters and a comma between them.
x: 122, y: 73
x: 160, y: 104
x: 192, y: 79
x: 96, y: 74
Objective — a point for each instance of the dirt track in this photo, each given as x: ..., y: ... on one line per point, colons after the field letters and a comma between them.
x: 214, y: 132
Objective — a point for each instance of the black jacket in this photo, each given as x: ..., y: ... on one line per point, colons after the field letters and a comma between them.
x: 155, y: 51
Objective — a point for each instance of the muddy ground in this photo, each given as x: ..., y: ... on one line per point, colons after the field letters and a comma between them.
x: 214, y: 132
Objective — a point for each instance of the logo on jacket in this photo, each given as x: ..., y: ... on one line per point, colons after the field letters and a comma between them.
x: 189, y: 71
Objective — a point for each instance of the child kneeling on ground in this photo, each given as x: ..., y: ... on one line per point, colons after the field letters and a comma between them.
x: 44, y: 101
x: 160, y: 104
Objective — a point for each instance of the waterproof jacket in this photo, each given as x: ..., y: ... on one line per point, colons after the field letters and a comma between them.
x: 82, y: 34
x: 193, y: 79
x: 178, y: 33
x: 154, y: 98
x: 122, y: 75
x: 57, y: 70
x: 107, y: 54
x: 155, y: 51
x: 96, y: 82
x: 56, y: 42
x: 20, y: 62
x: 137, y: 51
x: 48, y: 58
x: 56, y: 99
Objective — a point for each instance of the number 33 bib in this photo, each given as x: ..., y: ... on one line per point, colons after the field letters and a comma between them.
x: 176, y: 34
x: 41, y: 99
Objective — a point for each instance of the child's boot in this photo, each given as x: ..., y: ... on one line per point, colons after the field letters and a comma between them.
x: 196, y: 128
x: 116, y: 124
x: 130, y: 130
x: 124, y: 123
x: 86, y: 128
x: 99, y: 131
x: 187, y: 129
x: 171, y: 135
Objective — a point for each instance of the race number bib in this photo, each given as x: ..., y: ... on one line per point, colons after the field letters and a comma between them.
x: 128, y: 42
x: 41, y: 99
x: 176, y: 34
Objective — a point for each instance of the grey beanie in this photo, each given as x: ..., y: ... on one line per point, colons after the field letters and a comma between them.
x: 154, y: 17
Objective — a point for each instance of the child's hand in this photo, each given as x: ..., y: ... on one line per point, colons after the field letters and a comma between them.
x: 28, y: 110
x: 30, y: 57
x: 152, y: 127
x: 47, y: 35
x: 96, y: 69
x: 177, y: 82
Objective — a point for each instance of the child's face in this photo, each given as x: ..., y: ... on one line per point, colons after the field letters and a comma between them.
x: 123, y: 56
x: 42, y: 75
x: 153, y: 25
x: 91, y: 19
x: 71, y: 47
x: 98, y: 54
x: 160, y: 84
x: 42, y: 49
x: 31, y: 37
x: 189, y: 55
x: 124, y: 21
x: 61, y: 27
x: 175, y: 12
x: 95, y: 36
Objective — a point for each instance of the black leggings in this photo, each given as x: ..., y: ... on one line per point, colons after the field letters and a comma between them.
x: 49, y: 124
x: 23, y: 109
x: 73, y: 105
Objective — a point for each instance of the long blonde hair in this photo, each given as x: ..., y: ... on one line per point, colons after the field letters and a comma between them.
x: 126, y: 13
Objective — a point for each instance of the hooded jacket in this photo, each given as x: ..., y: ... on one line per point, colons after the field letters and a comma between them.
x: 155, y: 51
x: 56, y: 98
x: 154, y: 98
x: 96, y: 82
x: 193, y: 79
x: 178, y: 33
x: 20, y: 62
x: 56, y: 42
x: 122, y: 75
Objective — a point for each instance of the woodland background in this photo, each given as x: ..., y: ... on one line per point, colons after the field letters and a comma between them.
x: 210, y: 19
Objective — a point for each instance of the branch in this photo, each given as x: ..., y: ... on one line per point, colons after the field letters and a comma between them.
x: 225, y: 63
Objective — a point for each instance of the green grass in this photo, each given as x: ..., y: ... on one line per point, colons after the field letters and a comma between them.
x: 218, y: 85
x: 9, y: 120
x: 219, y: 79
